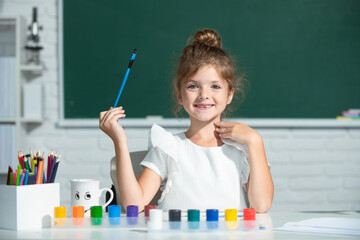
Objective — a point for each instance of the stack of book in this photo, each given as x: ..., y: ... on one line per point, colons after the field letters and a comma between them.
x: 351, y: 114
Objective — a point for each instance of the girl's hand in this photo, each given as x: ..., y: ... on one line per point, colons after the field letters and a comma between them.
x: 108, y: 123
x: 238, y: 132
x: 260, y: 187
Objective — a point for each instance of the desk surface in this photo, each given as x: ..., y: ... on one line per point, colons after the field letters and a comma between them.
x: 271, y: 220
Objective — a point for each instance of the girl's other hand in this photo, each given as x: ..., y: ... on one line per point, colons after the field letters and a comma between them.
x: 238, y: 132
x: 108, y: 123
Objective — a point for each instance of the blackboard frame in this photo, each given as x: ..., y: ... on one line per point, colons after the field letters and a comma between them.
x: 171, y: 122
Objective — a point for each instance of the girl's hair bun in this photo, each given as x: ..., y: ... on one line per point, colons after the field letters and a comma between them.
x: 206, y: 36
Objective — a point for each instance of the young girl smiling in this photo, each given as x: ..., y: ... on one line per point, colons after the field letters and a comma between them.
x: 213, y: 164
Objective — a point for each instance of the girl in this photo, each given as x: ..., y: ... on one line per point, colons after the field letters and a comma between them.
x: 213, y: 164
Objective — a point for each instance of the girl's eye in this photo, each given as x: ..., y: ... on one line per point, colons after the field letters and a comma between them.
x: 192, y: 86
x: 216, y: 87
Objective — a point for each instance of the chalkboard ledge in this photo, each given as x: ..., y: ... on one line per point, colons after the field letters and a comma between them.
x: 252, y: 122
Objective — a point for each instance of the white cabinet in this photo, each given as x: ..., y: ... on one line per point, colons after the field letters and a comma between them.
x: 14, y: 75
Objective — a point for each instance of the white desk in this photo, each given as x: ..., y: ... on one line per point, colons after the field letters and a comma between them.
x: 270, y: 220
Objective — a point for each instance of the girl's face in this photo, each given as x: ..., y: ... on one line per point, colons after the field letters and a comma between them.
x: 205, y: 95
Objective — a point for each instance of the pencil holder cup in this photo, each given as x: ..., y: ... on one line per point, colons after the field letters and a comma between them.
x: 28, y: 207
x: 86, y: 193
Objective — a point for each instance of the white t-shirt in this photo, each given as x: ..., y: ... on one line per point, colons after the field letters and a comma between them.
x: 196, y: 177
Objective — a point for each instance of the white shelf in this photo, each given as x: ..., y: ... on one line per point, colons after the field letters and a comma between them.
x: 32, y: 68
x: 8, y: 120
x: 31, y: 120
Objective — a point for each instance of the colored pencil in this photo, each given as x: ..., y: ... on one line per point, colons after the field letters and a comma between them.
x: 52, y: 168
x: 22, y: 178
x: 8, y: 176
x: 32, y: 169
x: 26, y: 178
x: 19, y: 157
x: 39, y: 179
x: 26, y: 163
x: 18, y: 173
x: 31, y: 178
x: 14, y: 177
x: 11, y: 178
x: 50, y: 160
x: 55, y: 170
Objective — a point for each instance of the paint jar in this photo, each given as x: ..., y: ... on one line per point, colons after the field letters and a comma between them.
x: 78, y: 214
x: 249, y: 218
x: 231, y: 219
x: 132, y: 214
x: 60, y: 216
x: 156, y: 220
x: 146, y: 210
x: 193, y: 219
x: 174, y: 219
x: 96, y: 215
x: 114, y: 214
x: 212, y: 218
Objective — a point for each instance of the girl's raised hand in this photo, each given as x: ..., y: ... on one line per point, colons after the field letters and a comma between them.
x: 108, y: 123
x: 238, y: 132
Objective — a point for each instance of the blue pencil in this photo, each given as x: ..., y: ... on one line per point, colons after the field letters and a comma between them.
x: 22, y: 179
x: 133, y: 55
x: 55, y: 170
x: 26, y: 178
x: 36, y: 169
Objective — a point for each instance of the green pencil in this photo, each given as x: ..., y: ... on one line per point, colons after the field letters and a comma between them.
x: 18, y: 175
x: 26, y: 162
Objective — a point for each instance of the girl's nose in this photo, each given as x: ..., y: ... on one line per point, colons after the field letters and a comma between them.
x: 204, y: 94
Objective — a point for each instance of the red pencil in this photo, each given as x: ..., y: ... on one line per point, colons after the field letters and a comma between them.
x: 20, y: 157
x: 49, y: 165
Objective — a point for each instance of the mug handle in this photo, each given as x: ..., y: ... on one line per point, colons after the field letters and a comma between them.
x: 111, y: 196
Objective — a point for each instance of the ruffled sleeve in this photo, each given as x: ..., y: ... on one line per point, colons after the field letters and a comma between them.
x: 244, y: 166
x: 163, y: 140
x: 162, y: 157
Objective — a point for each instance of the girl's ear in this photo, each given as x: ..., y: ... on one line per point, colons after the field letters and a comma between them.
x: 178, y: 97
x: 230, y: 96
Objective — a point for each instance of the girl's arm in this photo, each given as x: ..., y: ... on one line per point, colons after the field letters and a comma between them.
x: 260, y: 186
x: 133, y: 192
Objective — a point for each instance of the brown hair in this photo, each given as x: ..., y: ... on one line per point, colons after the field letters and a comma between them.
x: 205, y: 48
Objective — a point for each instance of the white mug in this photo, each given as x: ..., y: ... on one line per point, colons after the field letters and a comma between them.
x: 86, y: 193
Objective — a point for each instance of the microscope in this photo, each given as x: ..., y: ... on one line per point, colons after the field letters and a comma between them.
x: 32, y: 45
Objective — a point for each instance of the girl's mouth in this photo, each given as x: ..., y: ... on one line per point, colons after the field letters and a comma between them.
x: 203, y: 106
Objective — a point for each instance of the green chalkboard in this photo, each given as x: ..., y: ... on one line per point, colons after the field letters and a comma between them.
x: 301, y: 57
